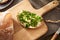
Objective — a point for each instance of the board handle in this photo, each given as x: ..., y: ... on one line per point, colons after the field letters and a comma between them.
x: 48, y: 7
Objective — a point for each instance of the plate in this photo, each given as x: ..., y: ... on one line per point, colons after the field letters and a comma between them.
x: 2, y: 6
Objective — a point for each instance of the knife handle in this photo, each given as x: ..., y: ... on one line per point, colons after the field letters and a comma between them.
x: 54, y: 36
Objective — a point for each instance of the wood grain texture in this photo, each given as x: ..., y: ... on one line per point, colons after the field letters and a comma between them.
x: 28, y: 34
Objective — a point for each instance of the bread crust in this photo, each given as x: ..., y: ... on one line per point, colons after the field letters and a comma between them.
x: 6, y: 21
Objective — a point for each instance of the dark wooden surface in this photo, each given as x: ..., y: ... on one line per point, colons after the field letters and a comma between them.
x: 52, y: 15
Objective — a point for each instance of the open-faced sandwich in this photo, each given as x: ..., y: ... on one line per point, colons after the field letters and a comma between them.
x: 3, y: 1
x: 6, y: 26
x: 29, y: 19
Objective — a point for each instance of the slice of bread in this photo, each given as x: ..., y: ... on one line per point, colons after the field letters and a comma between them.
x: 38, y: 25
x: 6, y: 29
x: 7, y: 21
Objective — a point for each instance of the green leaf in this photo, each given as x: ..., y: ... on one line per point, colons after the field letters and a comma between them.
x: 27, y: 25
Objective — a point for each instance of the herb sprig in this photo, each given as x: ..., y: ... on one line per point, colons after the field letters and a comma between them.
x: 29, y: 19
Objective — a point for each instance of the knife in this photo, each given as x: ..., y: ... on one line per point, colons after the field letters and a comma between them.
x: 56, y: 34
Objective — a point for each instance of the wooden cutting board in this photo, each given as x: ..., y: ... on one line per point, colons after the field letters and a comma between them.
x: 29, y: 34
